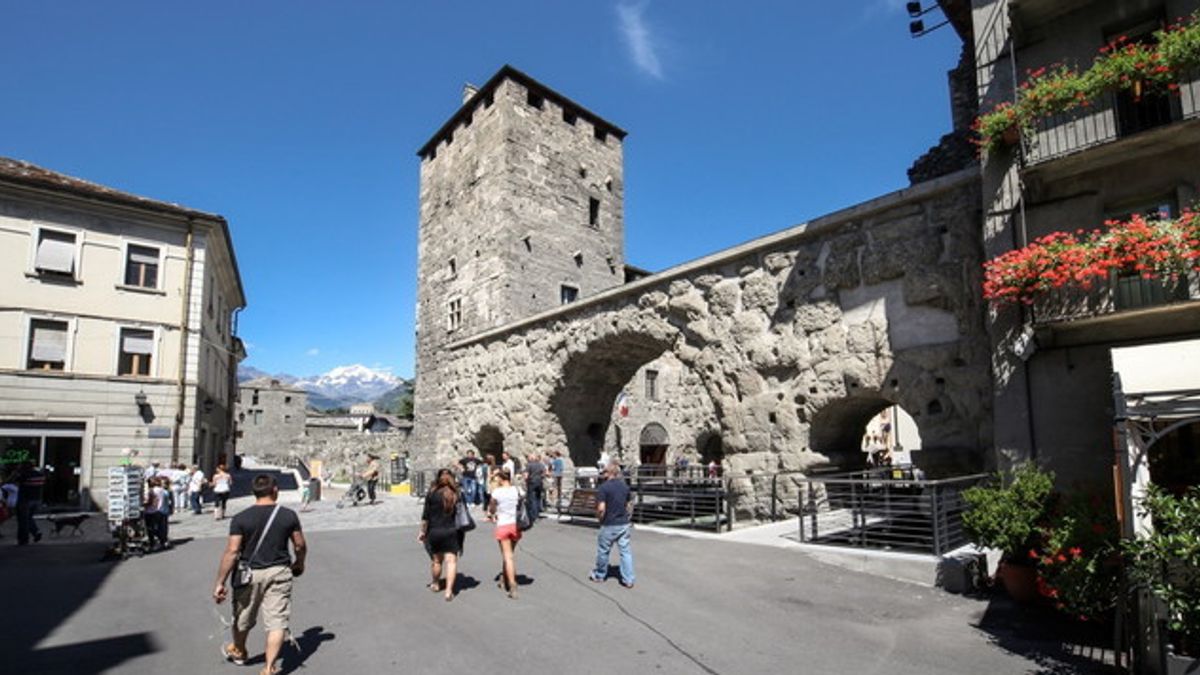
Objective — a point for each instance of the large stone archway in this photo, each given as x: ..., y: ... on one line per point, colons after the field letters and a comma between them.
x: 794, y: 340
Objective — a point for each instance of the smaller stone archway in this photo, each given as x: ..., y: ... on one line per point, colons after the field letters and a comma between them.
x: 653, y: 443
x: 710, y: 447
x: 489, y: 440
x: 838, y: 429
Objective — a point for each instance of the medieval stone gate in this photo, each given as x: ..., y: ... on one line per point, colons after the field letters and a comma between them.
x: 797, y: 339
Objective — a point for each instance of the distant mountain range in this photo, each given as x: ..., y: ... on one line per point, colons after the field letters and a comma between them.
x: 342, y: 387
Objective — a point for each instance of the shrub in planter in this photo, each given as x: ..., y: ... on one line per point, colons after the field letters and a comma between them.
x: 1006, y: 513
x: 1078, y: 561
x: 1167, y: 563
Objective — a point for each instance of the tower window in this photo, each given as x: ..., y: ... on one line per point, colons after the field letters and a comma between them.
x: 651, y: 385
x: 583, y: 172
x: 254, y: 398
x: 489, y: 100
x: 454, y: 319
x: 593, y: 211
x: 568, y: 117
x: 453, y: 267
x: 569, y: 294
x: 600, y: 134
x: 535, y: 99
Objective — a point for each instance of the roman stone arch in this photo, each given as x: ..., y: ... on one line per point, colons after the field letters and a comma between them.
x: 837, y: 429
x: 653, y: 442
x: 590, y: 381
x: 710, y: 447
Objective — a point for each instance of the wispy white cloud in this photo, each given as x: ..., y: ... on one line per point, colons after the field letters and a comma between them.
x: 313, y: 352
x: 643, y: 47
x: 881, y: 7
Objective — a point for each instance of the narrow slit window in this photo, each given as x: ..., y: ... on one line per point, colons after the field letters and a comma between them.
x: 593, y: 211
x: 454, y: 320
x: 535, y: 100
x: 137, y: 348
x: 569, y: 117
x: 453, y: 267
x: 600, y: 134
x: 141, y: 266
x: 651, y: 385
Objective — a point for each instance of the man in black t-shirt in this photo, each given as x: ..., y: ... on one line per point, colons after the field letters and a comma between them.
x: 612, y: 509
x: 30, y: 482
x: 260, y: 536
x: 535, y: 486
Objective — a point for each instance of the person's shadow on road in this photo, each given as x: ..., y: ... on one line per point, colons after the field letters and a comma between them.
x: 297, y: 650
x: 464, y: 582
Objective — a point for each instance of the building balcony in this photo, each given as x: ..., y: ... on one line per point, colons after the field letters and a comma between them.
x: 1115, y: 129
x: 1125, y: 308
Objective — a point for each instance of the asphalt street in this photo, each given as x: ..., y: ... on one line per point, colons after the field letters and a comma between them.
x: 698, y: 607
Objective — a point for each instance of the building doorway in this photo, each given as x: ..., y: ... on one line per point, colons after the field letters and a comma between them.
x: 652, y: 445
x: 54, y: 447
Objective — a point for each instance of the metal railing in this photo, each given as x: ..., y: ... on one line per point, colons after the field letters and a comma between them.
x: 1112, y: 117
x: 889, y: 508
x: 1118, y: 293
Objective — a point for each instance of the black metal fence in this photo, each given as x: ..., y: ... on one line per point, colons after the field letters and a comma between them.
x: 890, y: 508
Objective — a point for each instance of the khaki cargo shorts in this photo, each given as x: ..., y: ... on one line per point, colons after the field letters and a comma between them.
x: 270, y: 590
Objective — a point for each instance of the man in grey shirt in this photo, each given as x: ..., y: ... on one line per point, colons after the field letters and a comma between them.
x: 535, y: 485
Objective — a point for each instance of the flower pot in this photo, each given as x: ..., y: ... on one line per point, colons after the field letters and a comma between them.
x: 1019, y: 581
x: 1178, y: 664
x: 1011, y: 135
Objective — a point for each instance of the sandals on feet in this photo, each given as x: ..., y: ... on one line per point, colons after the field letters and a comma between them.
x: 435, y: 587
x: 232, y: 655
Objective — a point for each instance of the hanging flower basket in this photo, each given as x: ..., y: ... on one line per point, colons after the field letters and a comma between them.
x: 1152, y: 249
x: 1121, y: 65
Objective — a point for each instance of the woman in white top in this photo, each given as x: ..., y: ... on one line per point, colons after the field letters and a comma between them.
x: 222, y: 482
x: 502, y: 510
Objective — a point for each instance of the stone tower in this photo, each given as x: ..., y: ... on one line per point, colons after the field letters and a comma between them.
x: 521, y: 212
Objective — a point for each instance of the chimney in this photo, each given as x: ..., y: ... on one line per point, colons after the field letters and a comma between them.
x: 469, y: 90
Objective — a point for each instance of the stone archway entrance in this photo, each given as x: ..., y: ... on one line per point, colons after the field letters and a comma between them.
x: 844, y: 430
x: 652, y: 444
x: 591, y: 381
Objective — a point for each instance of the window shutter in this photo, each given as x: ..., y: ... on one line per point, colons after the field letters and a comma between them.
x: 56, y: 252
x: 137, y: 343
x: 144, y: 256
x: 49, y: 344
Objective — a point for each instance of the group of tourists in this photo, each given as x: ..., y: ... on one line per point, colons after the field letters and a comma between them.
x: 259, y: 567
x: 185, y: 487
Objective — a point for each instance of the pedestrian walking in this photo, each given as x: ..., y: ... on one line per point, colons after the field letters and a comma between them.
x: 481, y: 479
x: 491, y: 478
x: 502, y: 510
x: 30, y: 482
x: 371, y: 475
x: 179, y: 487
x: 157, y: 513
x: 196, y: 484
x: 257, y: 556
x: 535, y: 486
x: 557, y: 466
x: 222, y: 483
x: 469, y: 464
x: 612, y: 509
x: 441, y: 535
x: 508, y: 463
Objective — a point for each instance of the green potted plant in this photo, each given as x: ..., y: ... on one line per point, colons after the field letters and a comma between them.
x: 1166, y: 565
x: 1007, y: 514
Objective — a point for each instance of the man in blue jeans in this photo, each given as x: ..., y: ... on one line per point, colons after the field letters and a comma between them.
x: 612, y: 508
x: 467, y: 480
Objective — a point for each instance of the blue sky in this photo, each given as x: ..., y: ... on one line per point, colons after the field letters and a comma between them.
x: 299, y: 121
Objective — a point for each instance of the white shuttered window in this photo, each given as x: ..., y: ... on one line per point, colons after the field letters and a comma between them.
x: 47, y: 345
x: 55, y: 252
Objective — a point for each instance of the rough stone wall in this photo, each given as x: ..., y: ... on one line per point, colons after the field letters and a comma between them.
x: 340, y: 454
x: 507, y: 199
x: 798, y: 340
x: 682, y: 407
x: 273, y: 422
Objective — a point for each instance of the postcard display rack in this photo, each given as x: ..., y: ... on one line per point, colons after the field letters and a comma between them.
x: 124, y: 494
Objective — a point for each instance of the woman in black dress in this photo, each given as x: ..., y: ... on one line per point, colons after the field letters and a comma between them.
x: 439, y: 533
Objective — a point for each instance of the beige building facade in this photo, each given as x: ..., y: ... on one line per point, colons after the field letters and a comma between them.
x: 117, y: 330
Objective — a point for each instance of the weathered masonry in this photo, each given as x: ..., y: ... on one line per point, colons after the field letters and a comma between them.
x: 797, y: 339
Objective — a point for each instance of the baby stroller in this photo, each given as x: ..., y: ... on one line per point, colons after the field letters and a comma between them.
x: 356, y: 493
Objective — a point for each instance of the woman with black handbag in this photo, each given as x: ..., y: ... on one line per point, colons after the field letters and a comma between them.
x: 503, y: 510
x: 441, y: 534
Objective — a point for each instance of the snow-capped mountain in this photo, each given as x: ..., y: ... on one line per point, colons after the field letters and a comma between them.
x: 356, y: 382
x: 339, y: 388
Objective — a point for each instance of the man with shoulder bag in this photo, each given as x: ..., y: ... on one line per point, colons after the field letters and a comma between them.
x: 258, y: 565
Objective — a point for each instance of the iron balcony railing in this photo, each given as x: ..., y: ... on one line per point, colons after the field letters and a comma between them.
x: 889, y: 508
x: 1118, y: 294
x: 1112, y: 117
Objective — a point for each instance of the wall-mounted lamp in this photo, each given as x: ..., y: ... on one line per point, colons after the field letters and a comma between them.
x: 140, y: 399
x: 208, y: 405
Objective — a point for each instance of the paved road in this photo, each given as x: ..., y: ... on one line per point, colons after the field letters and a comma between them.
x: 699, y: 607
